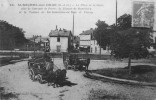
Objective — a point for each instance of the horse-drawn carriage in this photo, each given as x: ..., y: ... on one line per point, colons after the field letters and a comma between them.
x: 73, y: 61
x: 38, y: 71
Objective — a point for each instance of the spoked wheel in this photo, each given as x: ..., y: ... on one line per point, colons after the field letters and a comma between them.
x: 31, y: 75
x: 39, y: 78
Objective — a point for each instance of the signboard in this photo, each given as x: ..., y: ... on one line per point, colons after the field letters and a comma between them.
x: 143, y: 14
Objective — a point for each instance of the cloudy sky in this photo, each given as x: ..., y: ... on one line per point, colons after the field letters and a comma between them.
x: 41, y: 24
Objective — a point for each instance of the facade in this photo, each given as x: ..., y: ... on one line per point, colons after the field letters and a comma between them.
x: 87, y: 41
x: 60, y: 40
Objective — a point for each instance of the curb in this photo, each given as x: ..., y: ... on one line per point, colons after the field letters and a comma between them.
x: 87, y: 74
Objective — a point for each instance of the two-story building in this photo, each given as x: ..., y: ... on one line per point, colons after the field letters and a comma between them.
x: 87, y: 42
x: 60, y: 40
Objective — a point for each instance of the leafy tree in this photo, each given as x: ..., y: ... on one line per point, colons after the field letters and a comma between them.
x: 11, y: 36
x: 102, y: 34
x: 132, y: 43
x: 127, y: 42
x: 124, y: 22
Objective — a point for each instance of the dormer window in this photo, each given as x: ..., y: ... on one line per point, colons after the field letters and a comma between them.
x: 58, y: 39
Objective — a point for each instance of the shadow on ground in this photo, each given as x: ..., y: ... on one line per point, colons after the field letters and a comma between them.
x: 67, y: 83
x: 7, y: 96
x: 141, y: 69
x: 104, y: 95
x: 64, y: 83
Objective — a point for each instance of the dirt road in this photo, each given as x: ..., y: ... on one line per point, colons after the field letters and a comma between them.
x: 15, y: 84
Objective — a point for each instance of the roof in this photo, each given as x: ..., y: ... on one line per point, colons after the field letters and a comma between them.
x: 43, y: 39
x: 38, y: 39
x: 60, y: 33
x: 87, y: 32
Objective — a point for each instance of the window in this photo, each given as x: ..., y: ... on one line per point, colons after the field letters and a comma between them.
x: 58, y: 39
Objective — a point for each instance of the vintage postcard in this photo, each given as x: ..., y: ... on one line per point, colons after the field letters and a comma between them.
x: 77, y: 50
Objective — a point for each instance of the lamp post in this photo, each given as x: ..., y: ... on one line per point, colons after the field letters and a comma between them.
x: 100, y: 45
x: 116, y: 12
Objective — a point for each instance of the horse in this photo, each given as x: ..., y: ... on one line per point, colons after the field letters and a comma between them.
x: 56, y: 77
x: 60, y: 76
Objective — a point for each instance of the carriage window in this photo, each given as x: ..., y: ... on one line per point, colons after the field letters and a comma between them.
x: 58, y: 39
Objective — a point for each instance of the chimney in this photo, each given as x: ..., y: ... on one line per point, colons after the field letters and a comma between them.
x: 56, y: 28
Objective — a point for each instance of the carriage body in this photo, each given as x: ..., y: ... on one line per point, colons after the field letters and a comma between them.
x: 37, y: 70
x: 73, y: 61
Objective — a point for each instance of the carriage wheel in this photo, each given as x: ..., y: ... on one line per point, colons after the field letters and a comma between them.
x: 74, y: 67
x: 32, y: 75
x: 39, y: 78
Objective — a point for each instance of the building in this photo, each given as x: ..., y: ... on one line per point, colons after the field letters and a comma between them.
x: 88, y: 43
x: 60, y: 40
x: 76, y: 41
x: 85, y: 40
x: 38, y: 44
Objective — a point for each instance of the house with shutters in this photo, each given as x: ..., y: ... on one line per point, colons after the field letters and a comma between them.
x: 60, y: 40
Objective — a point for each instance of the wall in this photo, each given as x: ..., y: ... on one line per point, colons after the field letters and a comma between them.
x: 85, y: 37
x: 85, y: 43
x: 95, y: 48
x: 85, y: 40
x: 63, y: 43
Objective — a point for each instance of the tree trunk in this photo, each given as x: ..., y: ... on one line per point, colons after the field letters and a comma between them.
x: 129, y: 64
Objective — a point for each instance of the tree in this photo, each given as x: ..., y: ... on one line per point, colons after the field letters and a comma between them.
x: 102, y: 34
x: 124, y: 22
x: 132, y: 43
x: 11, y: 36
x: 127, y: 42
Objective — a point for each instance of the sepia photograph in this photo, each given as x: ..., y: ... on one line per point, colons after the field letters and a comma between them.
x: 77, y: 49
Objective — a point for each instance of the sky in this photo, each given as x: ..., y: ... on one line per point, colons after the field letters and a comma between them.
x: 42, y: 24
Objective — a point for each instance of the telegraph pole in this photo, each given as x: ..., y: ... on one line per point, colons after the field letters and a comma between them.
x: 73, y: 24
x: 34, y: 44
x: 116, y: 12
